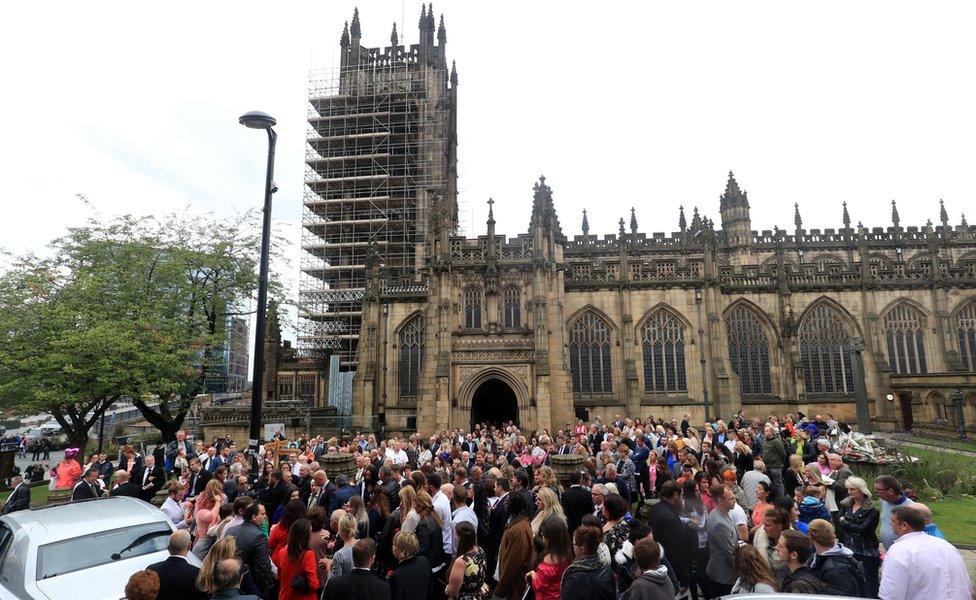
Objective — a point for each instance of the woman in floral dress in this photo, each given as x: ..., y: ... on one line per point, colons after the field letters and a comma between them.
x: 467, y: 577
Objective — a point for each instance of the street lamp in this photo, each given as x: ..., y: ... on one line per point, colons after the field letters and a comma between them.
x: 259, y: 120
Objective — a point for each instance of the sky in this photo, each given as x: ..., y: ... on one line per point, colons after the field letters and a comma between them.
x: 619, y: 104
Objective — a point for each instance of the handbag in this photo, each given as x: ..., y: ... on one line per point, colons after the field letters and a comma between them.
x: 299, y: 582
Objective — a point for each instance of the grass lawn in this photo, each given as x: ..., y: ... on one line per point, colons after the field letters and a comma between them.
x: 38, y: 495
x: 956, y: 518
x: 939, y: 443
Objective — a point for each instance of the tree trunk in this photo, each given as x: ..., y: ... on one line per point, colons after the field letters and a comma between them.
x: 166, y: 424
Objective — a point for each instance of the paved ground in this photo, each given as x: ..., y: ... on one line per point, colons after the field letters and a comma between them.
x: 969, y: 557
x: 23, y: 463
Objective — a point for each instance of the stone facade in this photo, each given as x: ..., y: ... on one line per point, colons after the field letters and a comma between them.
x: 443, y: 330
x: 706, y: 320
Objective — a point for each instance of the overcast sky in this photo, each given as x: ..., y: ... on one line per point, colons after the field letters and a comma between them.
x: 623, y: 104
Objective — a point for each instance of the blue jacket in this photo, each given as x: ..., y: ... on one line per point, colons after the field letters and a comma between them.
x: 812, y: 508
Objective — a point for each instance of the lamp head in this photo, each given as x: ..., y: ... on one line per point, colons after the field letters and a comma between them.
x: 257, y: 120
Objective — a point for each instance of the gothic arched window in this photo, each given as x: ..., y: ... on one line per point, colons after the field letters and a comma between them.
x: 663, y: 338
x: 966, y: 331
x: 472, y: 307
x: 749, y: 350
x: 904, y: 327
x: 825, y: 352
x: 512, y: 307
x: 411, y: 355
x: 589, y: 355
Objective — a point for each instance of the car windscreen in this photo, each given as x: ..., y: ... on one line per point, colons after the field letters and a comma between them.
x: 100, y: 548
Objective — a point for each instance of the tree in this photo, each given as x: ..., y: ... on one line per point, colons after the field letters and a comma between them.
x: 130, y: 308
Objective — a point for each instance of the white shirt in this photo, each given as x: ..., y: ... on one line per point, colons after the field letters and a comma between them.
x: 738, y: 516
x: 442, y: 506
x: 463, y: 514
x: 920, y: 566
x: 173, y: 510
x: 399, y: 457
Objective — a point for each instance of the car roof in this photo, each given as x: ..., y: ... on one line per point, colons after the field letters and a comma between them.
x: 51, y: 523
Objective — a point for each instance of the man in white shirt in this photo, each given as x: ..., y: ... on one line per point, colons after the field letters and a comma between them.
x: 918, y: 565
x: 395, y: 453
x: 442, y: 506
x: 462, y: 512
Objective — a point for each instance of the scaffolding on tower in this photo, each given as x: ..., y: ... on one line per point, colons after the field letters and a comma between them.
x: 380, y: 148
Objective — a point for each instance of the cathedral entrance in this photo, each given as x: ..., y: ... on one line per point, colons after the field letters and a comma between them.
x: 494, y: 403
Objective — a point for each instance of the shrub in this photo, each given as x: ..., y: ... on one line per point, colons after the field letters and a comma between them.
x: 935, y: 472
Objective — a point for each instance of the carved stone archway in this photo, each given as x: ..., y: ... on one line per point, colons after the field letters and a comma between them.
x: 470, y: 378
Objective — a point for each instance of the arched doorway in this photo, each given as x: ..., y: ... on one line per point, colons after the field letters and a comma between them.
x: 494, y: 403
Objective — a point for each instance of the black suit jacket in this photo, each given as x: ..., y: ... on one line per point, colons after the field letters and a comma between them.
x: 157, y: 479
x: 198, y: 482
x: 127, y: 489
x: 177, y: 579
x: 496, y: 524
x: 18, y: 500
x: 577, y: 503
x: 671, y: 533
x: 358, y: 585
x: 84, y: 491
x: 411, y: 579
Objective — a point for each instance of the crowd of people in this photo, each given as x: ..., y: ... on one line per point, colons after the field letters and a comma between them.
x: 657, y: 510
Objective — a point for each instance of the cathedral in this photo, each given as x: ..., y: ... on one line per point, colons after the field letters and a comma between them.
x: 875, y: 325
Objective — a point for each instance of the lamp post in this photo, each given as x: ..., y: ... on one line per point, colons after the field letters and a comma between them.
x: 260, y: 120
x: 701, y: 351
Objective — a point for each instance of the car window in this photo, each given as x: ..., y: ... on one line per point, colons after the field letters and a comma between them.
x: 6, y: 538
x: 100, y: 548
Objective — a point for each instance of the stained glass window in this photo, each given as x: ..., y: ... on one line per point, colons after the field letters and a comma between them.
x: 904, y: 327
x: 512, y: 307
x: 411, y: 355
x: 663, y: 337
x: 825, y: 352
x: 589, y: 355
x: 472, y: 307
x: 749, y: 350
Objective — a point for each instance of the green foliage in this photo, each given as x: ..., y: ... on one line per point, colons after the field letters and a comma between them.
x: 936, y: 474
x: 132, y: 307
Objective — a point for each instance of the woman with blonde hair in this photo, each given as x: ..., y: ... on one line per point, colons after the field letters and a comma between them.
x: 548, y: 506
x: 753, y: 574
x: 793, y: 475
x: 548, y: 479
x: 222, y: 549
x: 408, y: 510
x: 429, y: 530
x: 206, y: 509
x: 357, y: 509
x: 342, y: 560
x: 411, y: 577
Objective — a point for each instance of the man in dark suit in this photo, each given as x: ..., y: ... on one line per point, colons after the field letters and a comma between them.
x: 343, y: 493
x: 151, y: 479
x: 199, y: 477
x: 178, y: 578
x: 252, y: 546
x: 125, y: 487
x: 19, y: 498
x: 670, y: 532
x: 577, y: 502
x: 360, y: 584
x: 497, y: 519
x: 87, y: 487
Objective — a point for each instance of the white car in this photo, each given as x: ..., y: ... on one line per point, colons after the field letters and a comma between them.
x: 80, y: 551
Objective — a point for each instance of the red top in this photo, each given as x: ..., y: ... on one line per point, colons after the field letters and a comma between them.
x: 547, y: 579
x: 277, y: 538
x: 287, y: 571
